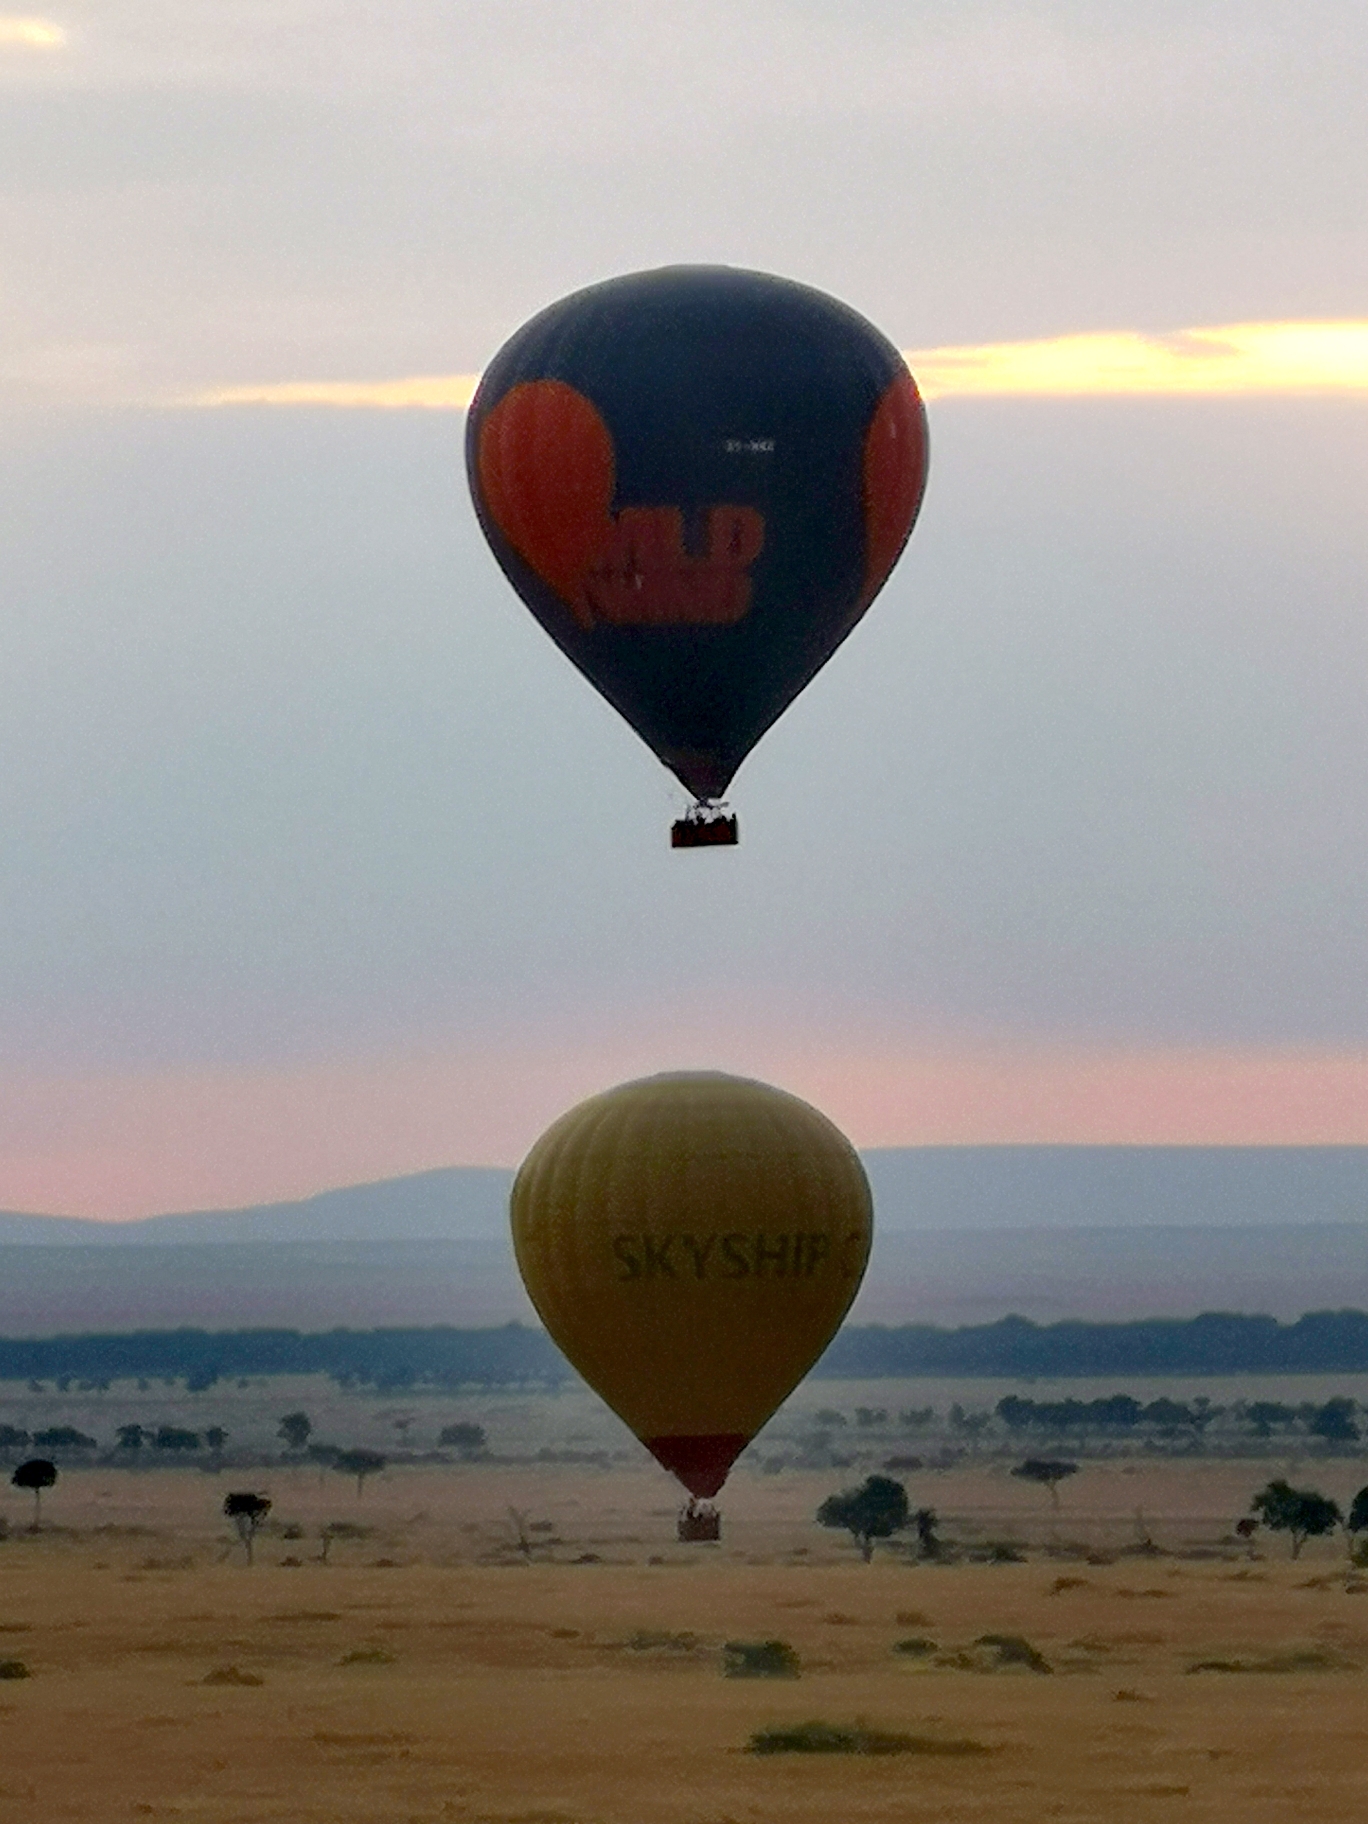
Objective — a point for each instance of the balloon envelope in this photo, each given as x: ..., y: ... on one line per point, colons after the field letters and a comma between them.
x: 692, y: 1243
x: 697, y: 479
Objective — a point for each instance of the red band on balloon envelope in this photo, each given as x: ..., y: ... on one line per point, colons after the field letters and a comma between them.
x: 547, y: 471
x: 700, y: 1463
x: 894, y: 480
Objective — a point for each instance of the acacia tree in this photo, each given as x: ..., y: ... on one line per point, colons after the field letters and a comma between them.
x: 467, y: 1440
x: 12, y: 1438
x: 247, y: 1511
x: 295, y: 1430
x: 1049, y: 1472
x: 359, y: 1463
x: 1302, y: 1513
x: 875, y: 1510
x: 35, y: 1475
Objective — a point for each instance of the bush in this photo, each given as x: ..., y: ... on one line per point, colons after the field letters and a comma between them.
x: 14, y: 1668
x: 1012, y: 1650
x: 839, y: 1738
x: 759, y: 1659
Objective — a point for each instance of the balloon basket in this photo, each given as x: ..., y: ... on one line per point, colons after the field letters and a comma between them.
x: 699, y: 1524
x: 706, y: 826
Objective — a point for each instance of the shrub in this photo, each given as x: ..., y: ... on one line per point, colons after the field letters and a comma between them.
x: 230, y: 1675
x: 14, y: 1668
x: 759, y: 1659
x: 1013, y: 1650
x: 839, y: 1738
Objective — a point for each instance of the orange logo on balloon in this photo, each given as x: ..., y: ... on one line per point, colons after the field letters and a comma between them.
x: 548, y: 475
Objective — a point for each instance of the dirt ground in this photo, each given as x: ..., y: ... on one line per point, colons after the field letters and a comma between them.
x: 433, y: 1670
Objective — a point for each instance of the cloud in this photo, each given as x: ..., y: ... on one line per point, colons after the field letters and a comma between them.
x: 426, y: 392
x: 30, y: 34
x: 1239, y: 358
x: 1236, y: 359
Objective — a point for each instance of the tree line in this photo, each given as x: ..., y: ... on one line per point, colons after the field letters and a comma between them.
x: 1332, y: 1421
x: 512, y: 1355
x: 1322, y: 1342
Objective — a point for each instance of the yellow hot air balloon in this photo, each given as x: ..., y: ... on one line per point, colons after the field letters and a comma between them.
x: 692, y: 1242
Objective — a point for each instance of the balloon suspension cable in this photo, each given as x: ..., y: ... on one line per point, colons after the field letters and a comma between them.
x: 707, y: 824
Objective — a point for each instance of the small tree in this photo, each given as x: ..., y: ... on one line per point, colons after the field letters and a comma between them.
x: 876, y: 1510
x: 216, y: 1437
x: 928, y: 1537
x: 12, y: 1438
x: 1303, y: 1513
x: 1335, y: 1421
x: 1047, y: 1471
x: 295, y: 1430
x: 172, y: 1437
x: 35, y: 1475
x: 247, y: 1511
x: 131, y: 1437
x: 64, y: 1437
x: 1357, y: 1521
x: 359, y: 1463
x: 466, y: 1440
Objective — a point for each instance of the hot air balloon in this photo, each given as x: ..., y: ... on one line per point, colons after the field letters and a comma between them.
x: 692, y: 1242
x: 698, y: 479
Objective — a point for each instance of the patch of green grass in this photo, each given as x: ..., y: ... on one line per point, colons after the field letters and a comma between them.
x: 856, y: 1738
x: 918, y: 1647
x: 367, y: 1656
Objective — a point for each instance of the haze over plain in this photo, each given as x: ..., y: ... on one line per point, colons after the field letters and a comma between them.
x: 319, y: 864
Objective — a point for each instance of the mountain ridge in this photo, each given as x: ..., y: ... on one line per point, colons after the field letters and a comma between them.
x: 915, y: 1189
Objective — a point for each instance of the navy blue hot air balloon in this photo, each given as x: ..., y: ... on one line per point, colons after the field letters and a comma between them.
x: 698, y: 479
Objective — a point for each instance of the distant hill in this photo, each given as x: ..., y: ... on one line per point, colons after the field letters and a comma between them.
x: 460, y: 1202
x: 965, y: 1235
x: 1097, y: 1187
x: 915, y: 1188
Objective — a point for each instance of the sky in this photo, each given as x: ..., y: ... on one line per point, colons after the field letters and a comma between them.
x: 318, y: 863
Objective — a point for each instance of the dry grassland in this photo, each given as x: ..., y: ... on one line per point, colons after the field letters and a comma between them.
x: 430, y: 1673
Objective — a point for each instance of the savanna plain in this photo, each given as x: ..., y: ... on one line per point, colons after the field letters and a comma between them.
x: 523, y: 1639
